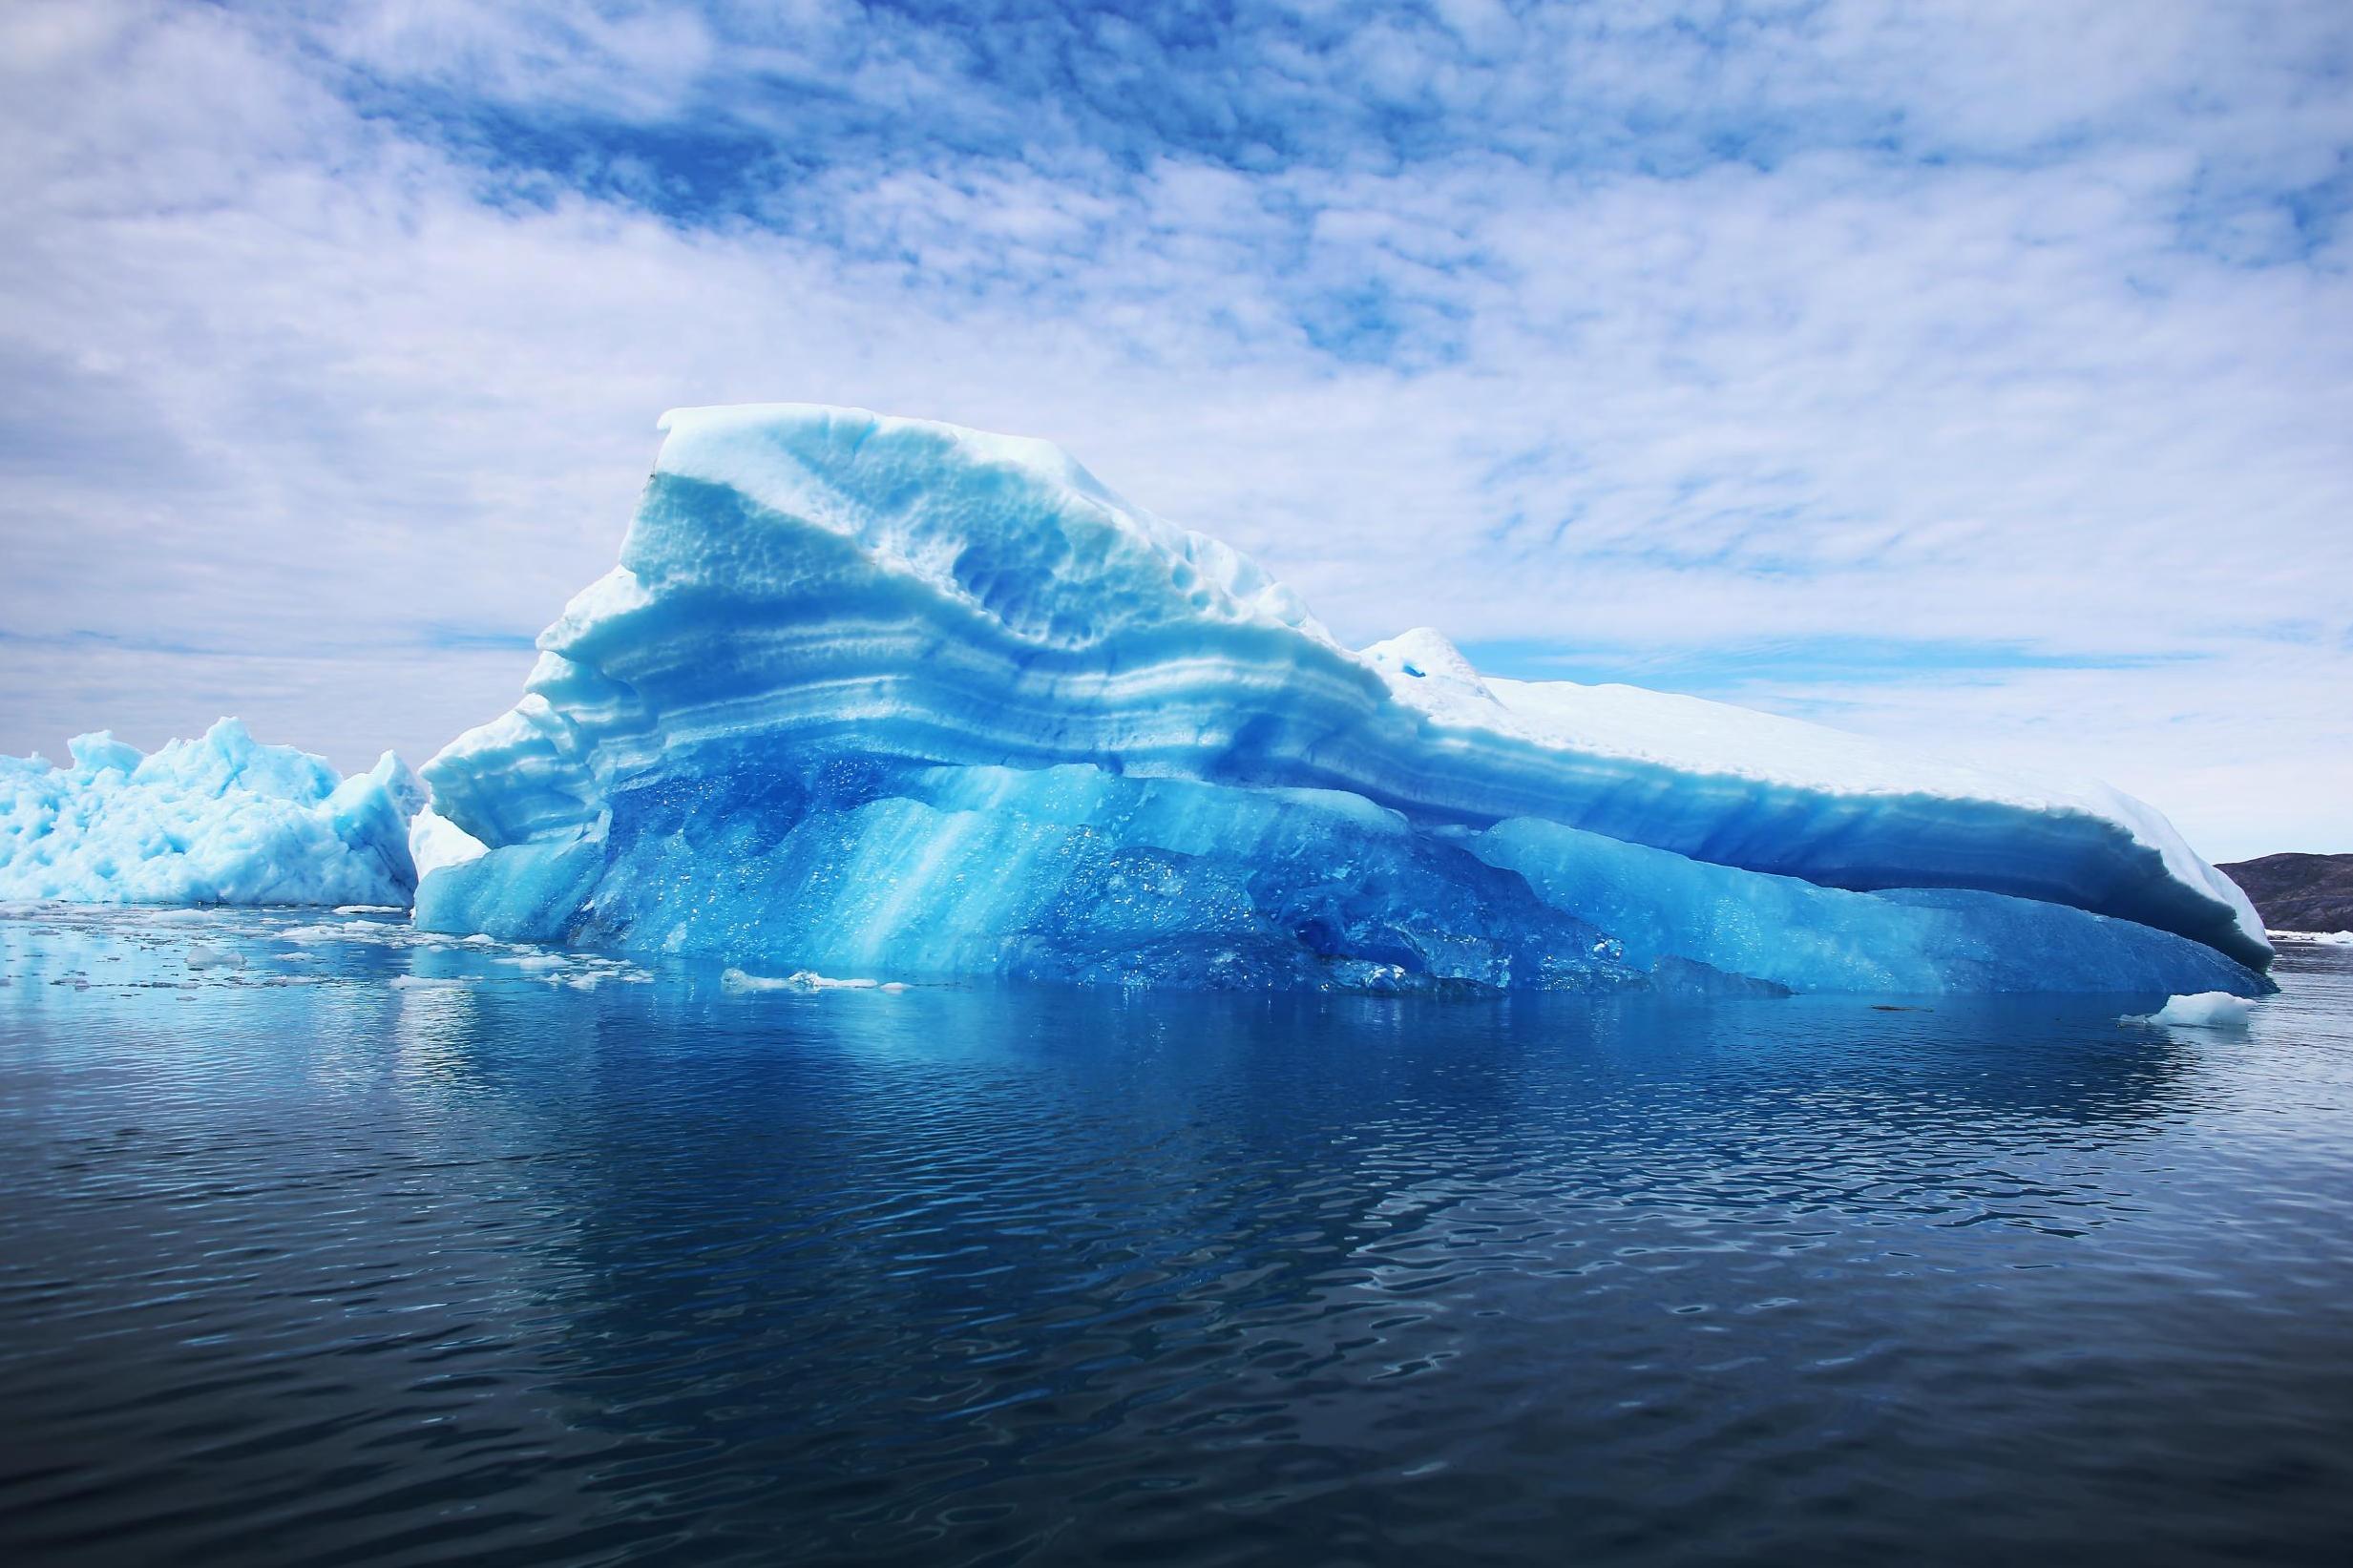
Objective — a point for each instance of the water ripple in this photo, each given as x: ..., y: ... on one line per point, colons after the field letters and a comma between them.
x: 300, y: 1263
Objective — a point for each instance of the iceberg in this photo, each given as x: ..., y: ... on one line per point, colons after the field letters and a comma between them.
x: 877, y: 696
x: 218, y: 820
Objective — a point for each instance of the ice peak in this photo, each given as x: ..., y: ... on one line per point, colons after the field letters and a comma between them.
x: 99, y: 749
x: 1010, y: 526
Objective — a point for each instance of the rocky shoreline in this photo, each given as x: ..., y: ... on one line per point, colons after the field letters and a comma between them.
x: 2298, y: 892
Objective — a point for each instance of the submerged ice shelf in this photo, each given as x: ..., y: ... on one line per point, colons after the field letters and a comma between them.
x: 885, y: 696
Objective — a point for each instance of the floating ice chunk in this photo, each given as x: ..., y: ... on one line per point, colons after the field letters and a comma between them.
x: 869, y: 693
x: 735, y: 979
x: 220, y: 820
x: 2331, y: 939
x: 205, y: 955
x: 365, y: 932
x: 323, y: 933
x: 2205, y: 1009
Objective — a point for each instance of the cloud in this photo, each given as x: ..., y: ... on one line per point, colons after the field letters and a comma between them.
x: 333, y: 339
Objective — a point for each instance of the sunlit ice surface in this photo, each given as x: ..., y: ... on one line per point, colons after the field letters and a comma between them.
x: 322, y: 1239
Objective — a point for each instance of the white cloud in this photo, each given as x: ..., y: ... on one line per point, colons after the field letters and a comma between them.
x: 301, y: 408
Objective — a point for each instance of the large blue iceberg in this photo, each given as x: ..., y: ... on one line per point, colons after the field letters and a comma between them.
x: 885, y: 696
x: 220, y: 820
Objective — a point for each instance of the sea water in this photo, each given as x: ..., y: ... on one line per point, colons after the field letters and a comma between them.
x: 323, y: 1240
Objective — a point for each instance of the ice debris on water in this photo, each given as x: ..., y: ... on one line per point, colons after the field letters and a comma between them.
x: 2204, y: 1010
x: 802, y: 980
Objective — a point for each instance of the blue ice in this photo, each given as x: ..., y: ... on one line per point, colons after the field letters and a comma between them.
x: 888, y: 696
x: 218, y: 820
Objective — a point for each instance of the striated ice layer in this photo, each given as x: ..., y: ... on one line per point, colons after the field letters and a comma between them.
x: 1073, y: 874
x: 220, y: 820
x: 873, y: 695
x: 1815, y: 939
x: 1065, y: 873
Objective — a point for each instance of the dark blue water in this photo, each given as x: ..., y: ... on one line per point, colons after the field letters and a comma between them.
x: 528, y: 1260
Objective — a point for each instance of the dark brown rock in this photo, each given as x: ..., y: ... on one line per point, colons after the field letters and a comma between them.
x: 2299, y: 893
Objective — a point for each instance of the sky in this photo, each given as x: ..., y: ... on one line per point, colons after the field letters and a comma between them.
x: 1974, y: 375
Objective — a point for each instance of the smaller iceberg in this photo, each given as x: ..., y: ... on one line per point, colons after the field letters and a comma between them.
x: 220, y: 820
x: 2204, y: 1010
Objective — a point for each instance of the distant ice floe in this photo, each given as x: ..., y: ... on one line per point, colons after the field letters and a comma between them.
x: 2206, y: 1010
x: 2333, y: 940
x: 802, y: 980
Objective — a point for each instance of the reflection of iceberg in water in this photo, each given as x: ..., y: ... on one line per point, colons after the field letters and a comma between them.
x: 874, y: 1269
x: 1169, y: 1234
x: 877, y: 697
